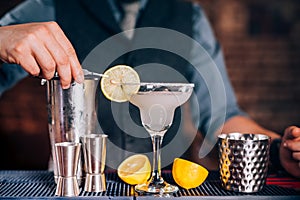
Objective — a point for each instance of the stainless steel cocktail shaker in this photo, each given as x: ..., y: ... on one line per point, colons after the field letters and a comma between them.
x: 71, y: 113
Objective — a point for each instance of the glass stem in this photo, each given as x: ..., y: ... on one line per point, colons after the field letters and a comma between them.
x: 156, y: 165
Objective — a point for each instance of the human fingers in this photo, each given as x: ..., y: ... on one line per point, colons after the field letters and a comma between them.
x: 22, y: 43
x: 296, y: 155
x: 75, y: 67
x: 292, y: 132
x: 44, y: 59
x: 30, y: 65
x: 15, y: 47
x: 28, y: 62
x: 289, y: 163
x: 57, y: 52
x: 292, y: 145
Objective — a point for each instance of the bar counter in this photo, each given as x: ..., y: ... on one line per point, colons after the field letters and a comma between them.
x: 41, y: 185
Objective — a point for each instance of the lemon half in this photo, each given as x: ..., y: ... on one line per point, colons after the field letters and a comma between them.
x: 188, y: 174
x: 113, y: 83
x: 135, y: 169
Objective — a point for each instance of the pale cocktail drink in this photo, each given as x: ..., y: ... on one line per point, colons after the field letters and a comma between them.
x: 157, y: 108
x: 157, y: 103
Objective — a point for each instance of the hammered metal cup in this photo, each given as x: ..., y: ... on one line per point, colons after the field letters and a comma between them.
x: 243, y: 161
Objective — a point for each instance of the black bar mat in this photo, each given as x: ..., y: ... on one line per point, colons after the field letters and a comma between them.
x: 40, y: 184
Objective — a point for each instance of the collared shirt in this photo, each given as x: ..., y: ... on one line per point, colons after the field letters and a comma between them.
x: 44, y: 10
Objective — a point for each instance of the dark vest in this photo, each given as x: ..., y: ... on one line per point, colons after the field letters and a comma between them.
x: 89, y: 22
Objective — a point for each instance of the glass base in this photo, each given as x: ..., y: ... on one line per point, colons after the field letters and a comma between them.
x: 159, y: 188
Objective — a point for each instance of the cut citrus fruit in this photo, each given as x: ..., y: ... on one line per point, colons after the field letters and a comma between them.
x: 188, y: 174
x: 119, y: 83
x: 135, y: 169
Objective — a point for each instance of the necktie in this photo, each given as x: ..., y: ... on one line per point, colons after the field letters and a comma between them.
x: 130, y: 15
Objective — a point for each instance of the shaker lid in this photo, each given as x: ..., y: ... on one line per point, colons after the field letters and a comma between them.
x: 86, y: 76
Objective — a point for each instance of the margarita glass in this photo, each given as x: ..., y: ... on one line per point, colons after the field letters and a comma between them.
x: 157, y: 103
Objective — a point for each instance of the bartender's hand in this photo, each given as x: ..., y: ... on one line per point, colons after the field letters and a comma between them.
x: 290, y: 151
x: 41, y: 49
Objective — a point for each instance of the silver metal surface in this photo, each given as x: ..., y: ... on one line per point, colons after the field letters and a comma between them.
x: 67, y: 157
x: 71, y: 113
x: 94, y: 151
x: 95, y: 183
x: 87, y: 72
x: 243, y: 161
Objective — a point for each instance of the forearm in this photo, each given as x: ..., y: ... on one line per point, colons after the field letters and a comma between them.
x: 246, y: 125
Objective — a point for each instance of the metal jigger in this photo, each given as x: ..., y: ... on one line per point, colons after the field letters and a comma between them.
x: 67, y: 157
x: 94, y: 151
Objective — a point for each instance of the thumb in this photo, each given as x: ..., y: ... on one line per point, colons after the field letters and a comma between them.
x: 292, y: 132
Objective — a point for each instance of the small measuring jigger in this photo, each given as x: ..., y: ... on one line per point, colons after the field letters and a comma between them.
x: 67, y: 157
x: 94, y: 151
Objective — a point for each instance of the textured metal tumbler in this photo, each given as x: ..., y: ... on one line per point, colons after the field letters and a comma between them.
x: 94, y: 151
x: 67, y: 157
x: 71, y: 113
x: 243, y: 161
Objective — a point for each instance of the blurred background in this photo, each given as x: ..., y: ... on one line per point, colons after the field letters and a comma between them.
x: 261, y: 43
